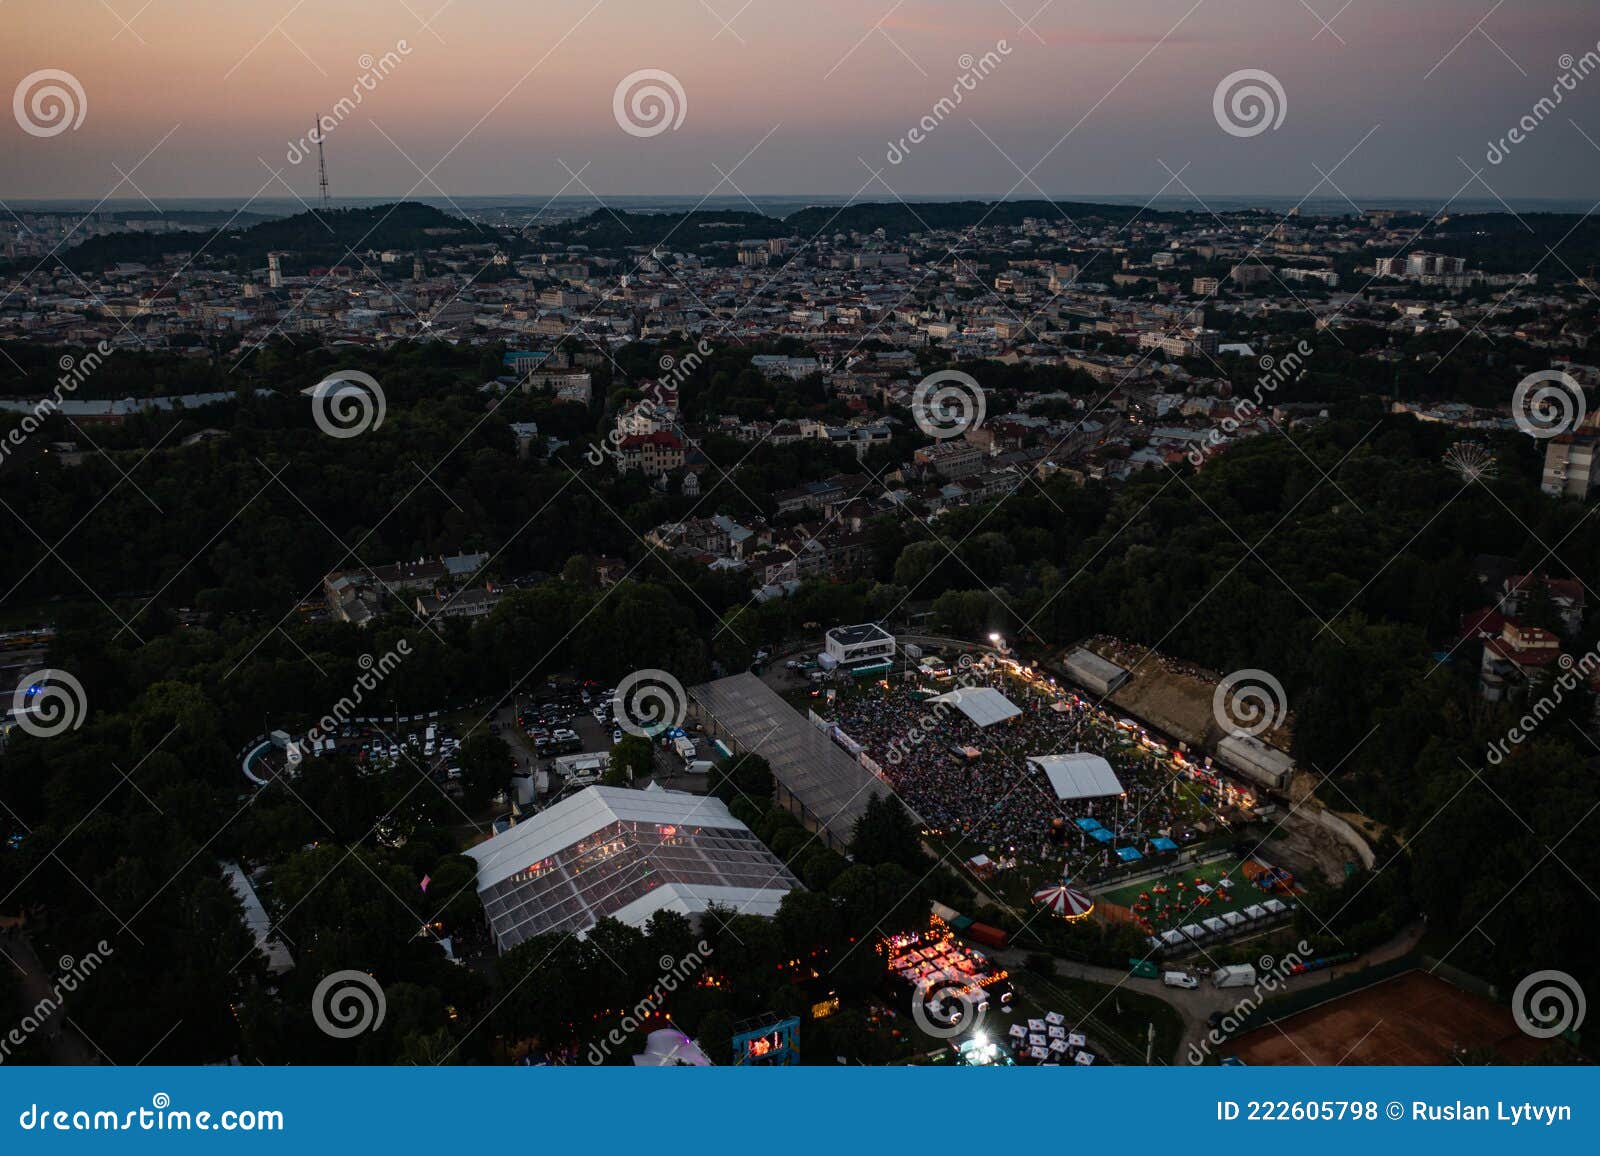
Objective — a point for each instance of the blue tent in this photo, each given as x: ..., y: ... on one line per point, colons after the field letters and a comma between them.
x: 1162, y: 844
x: 1128, y: 854
x: 1088, y: 824
x: 1100, y: 835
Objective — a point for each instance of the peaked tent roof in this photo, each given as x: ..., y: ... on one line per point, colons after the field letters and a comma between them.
x: 1065, y: 900
x: 1080, y: 775
x: 982, y: 704
x: 582, y: 815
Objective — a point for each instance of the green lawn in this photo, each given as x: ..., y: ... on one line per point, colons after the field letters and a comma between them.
x: 1177, y: 907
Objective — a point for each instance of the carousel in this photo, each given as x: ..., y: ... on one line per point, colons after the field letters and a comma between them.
x: 1066, y: 901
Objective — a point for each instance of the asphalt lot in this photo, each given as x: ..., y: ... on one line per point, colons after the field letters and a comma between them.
x: 594, y: 735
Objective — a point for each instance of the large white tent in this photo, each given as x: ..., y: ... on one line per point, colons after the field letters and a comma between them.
x: 982, y: 704
x: 613, y: 851
x: 1078, y: 776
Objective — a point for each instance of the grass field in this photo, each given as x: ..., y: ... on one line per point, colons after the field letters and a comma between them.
x: 1179, y: 906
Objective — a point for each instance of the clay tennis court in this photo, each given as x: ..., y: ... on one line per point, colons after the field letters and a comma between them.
x: 1413, y: 1018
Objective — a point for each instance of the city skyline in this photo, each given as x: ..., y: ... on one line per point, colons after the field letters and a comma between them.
x: 490, y: 98
x: 953, y: 533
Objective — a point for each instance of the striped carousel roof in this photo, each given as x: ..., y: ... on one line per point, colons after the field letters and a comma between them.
x: 1065, y: 901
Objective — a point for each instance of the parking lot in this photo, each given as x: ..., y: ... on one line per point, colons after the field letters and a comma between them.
x: 545, y: 714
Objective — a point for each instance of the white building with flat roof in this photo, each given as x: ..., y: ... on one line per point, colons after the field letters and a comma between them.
x: 859, y: 645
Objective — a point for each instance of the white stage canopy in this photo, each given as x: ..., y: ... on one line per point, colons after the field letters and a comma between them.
x: 982, y: 704
x: 1078, y: 776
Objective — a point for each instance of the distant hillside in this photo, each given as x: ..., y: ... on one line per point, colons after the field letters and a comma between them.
x: 1494, y: 242
x: 683, y: 232
x: 315, y: 238
x: 691, y: 231
x: 898, y: 219
x: 1520, y: 243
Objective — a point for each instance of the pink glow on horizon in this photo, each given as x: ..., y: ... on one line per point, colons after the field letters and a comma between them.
x: 498, y: 90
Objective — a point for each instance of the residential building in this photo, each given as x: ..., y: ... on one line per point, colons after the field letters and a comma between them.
x: 1510, y: 662
x: 955, y: 458
x: 654, y: 453
x: 1570, y: 467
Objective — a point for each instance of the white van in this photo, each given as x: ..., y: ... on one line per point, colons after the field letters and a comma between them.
x: 1179, y: 979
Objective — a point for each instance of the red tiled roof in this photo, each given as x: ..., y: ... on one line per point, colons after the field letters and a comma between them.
x: 1520, y: 656
x: 1488, y: 620
x: 661, y: 438
x: 1568, y: 588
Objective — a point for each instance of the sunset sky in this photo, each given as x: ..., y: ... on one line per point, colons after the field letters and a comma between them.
x: 507, y: 96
